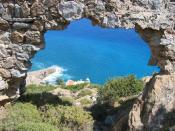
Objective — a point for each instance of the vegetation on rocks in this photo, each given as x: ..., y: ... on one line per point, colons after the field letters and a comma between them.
x: 84, y: 92
x: 76, y: 88
x: 18, y: 114
x: 85, y: 101
x: 72, y: 117
x: 117, y: 88
x: 39, y: 109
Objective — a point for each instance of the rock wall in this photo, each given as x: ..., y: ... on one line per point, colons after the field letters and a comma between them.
x: 24, y: 22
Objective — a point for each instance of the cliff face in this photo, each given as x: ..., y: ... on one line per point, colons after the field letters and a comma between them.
x: 23, y: 23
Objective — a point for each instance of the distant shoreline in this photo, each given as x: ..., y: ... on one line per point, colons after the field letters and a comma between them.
x: 51, y: 74
x: 42, y: 76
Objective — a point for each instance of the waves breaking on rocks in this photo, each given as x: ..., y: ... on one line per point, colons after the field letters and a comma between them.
x: 59, y: 73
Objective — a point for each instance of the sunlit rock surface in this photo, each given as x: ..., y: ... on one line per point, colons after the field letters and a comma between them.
x: 23, y: 23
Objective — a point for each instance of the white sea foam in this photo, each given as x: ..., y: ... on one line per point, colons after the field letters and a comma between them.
x: 59, y: 73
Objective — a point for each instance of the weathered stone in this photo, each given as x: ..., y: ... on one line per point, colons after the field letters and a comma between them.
x: 50, y: 3
x: 18, y: 11
x: 1, y: 8
x: 3, y: 84
x: 17, y: 37
x: 20, y: 1
x: 50, y: 24
x: 149, y: 111
x: 22, y: 66
x: 8, y: 63
x: 37, y: 8
x: 4, y: 25
x: 110, y: 20
x: 37, y: 26
x: 4, y: 73
x: 153, y: 19
x: 16, y: 73
x: 23, y: 20
x: 33, y: 37
x: 71, y: 10
x: 5, y: 38
x: 15, y: 48
x: 6, y: 14
x: 20, y: 26
x: 30, y: 48
x: 25, y: 9
x: 22, y: 56
x: 3, y: 51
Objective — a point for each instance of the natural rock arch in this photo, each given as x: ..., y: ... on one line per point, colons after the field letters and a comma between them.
x: 23, y: 23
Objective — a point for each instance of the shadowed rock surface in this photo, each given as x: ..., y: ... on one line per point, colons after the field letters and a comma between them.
x: 22, y: 27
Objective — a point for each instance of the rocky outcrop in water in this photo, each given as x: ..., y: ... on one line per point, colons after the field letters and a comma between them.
x: 38, y: 77
x: 24, y: 22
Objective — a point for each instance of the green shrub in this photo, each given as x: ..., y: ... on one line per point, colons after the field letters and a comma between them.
x: 114, y: 89
x: 95, y: 86
x: 31, y: 126
x: 72, y: 117
x: 19, y: 113
x: 40, y: 99
x: 39, y: 89
x: 84, y: 93
x: 85, y: 101
x: 75, y: 88
x: 39, y: 96
x: 67, y: 99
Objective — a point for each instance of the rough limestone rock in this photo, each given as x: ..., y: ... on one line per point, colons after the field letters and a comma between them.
x: 24, y: 22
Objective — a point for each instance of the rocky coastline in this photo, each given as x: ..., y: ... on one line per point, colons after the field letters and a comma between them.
x: 38, y: 77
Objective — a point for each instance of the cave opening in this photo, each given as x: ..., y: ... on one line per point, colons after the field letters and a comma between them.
x: 84, y: 51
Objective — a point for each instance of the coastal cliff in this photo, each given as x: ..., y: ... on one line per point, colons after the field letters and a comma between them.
x: 23, y: 24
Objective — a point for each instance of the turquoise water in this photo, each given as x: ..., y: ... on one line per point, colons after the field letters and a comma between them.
x: 86, y: 51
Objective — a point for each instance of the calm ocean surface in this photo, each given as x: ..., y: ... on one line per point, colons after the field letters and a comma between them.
x: 86, y: 51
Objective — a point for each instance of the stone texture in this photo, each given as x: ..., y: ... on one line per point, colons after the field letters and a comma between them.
x: 149, y: 110
x: 4, y: 24
x: 37, y: 8
x: 33, y: 37
x: 3, y: 84
x: 5, y: 73
x: 25, y: 9
x: 71, y: 10
x: 17, y: 37
x: 21, y: 26
x: 24, y: 22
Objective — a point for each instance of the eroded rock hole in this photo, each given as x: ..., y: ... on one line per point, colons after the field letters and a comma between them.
x: 84, y: 51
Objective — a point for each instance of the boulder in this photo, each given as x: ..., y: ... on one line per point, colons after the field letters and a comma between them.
x: 5, y: 73
x: 4, y: 25
x: 37, y: 8
x: 33, y: 37
x: 71, y: 10
x: 17, y: 37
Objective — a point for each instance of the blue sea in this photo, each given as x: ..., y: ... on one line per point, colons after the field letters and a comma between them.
x: 86, y: 51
